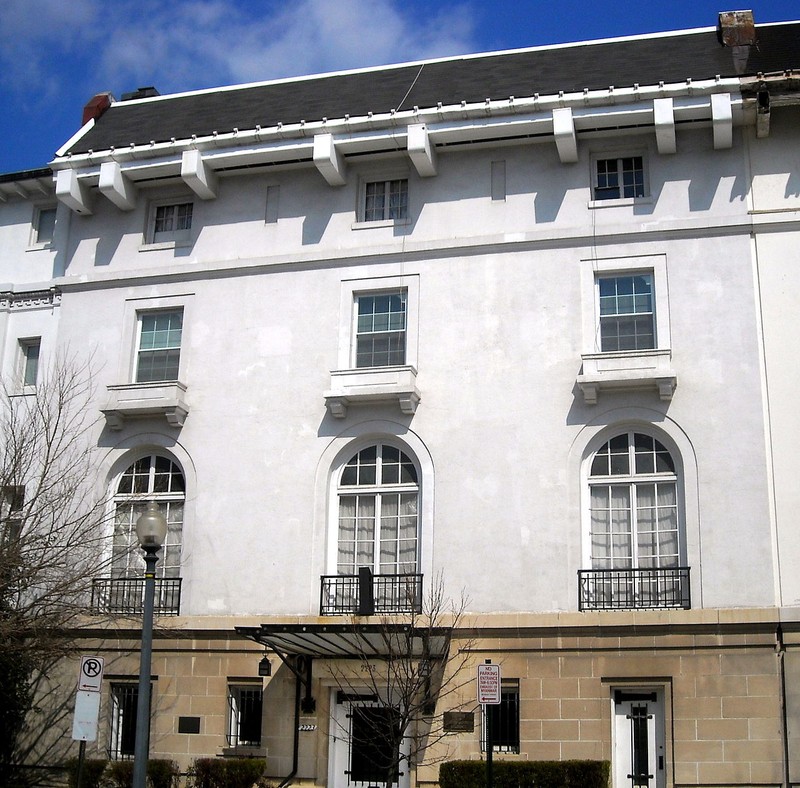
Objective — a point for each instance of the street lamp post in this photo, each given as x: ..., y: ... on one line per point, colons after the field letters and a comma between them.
x: 151, y: 530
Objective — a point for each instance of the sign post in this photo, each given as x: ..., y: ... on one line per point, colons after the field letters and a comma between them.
x: 489, y: 694
x: 87, y: 706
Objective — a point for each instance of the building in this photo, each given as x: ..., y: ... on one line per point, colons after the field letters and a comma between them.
x: 525, y: 320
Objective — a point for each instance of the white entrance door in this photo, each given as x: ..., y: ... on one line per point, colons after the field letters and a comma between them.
x: 360, y: 743
x: 639, y: 738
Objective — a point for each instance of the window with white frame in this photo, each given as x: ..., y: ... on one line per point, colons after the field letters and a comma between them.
x: 171, y: 222
x: 626, y: 312
x: 633, y: 501
x: 29, y: 360
x: 378, y: 499
x: 12, y: 502
x: 618, y: 178
x: 158, y: 349
x: 124, y: 699
x: 503, y: 718
x: 385, y: 200
x: 151, y: 478
x: 245, y: 706
x: 380, y: 330
x: 44, y: 225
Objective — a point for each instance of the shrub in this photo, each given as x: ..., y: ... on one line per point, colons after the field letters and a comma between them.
x: 93, y: 769
x: 119, y: 774
x: 525, y: 774
x: 227, y: 773
x: 162, y: 773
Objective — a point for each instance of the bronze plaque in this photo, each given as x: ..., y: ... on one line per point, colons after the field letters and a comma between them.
x: 459, y: 722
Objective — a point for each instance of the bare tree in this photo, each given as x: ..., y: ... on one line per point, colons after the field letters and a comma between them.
x: 51, y: 545
x: 408, y: 667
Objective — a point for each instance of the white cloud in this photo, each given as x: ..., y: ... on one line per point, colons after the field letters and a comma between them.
x: 197, y: 43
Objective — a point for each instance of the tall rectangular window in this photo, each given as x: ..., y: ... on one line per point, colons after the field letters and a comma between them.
x: 245, y: 705
x: 616, y: 178
x: 159, y: 345
x: 124, y: 699
x: 503, y: 719
x: 171, y: 222
x: 626, y: 312
x: 381, y: 329
x: 44, y: 225
x: 12, y: 501
x: 386, y: 200
x: 29, y: 352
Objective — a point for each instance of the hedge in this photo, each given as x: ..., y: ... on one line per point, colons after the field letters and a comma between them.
x: 92, y: 774
x: 525, y: 774
x: 227, y: 772
x: 161, y: 773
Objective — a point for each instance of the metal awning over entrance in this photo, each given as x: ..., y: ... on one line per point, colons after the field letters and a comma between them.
x: 351, y: 641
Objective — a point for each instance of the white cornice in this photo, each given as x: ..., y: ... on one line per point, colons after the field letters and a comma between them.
x: 561, y: 119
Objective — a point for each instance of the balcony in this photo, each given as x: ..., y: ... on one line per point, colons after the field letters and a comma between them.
x: 125, y: 596
x: 366, y: 594
x: 634, y: 589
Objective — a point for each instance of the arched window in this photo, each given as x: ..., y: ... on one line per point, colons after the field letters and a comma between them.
x: 634, y: 504
x: 151, y: 478
x: 636, y: 540
x: 378, y: 498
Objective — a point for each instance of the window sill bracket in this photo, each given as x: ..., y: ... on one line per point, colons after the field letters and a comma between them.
x: 146, y: 400
x: 627, y: 370
x: 372, y: 386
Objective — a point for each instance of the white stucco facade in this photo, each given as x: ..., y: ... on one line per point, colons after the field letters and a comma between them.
x: 505, y: 394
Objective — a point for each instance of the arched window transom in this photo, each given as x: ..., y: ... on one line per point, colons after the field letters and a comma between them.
x: 151, y: 478
x: 378, y: 494
x: 633, y: 490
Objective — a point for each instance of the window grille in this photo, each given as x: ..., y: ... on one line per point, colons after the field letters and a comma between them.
x: 504, y: 719
x: 124, y: 699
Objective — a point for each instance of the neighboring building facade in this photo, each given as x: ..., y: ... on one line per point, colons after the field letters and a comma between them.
x: 486, y: 319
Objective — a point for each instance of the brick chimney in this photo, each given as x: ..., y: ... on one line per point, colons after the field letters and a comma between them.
x: 96, y: 106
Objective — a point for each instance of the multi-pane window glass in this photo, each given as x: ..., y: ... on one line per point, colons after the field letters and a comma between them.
x: 124, y: 699
x: 172, y: 222
x: 30, y: 360
x: 619, y: 178
x: 378, y: 512
x: 245, y: 704
x: 159, y: 353
x: 503, y: 718
x: 386, y: 200
x: 381, y: 329
x: 12, y: 501
x: 44, y: 226
x: 626, y: 312
x: 634, y: 504
x: 151, y: 478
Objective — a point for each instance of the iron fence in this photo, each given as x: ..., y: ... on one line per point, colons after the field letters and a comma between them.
x: 344, y: 594
x: 624, y: 589
x: 126, y: 595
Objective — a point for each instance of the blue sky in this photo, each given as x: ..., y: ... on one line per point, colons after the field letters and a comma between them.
x: 56, y: 54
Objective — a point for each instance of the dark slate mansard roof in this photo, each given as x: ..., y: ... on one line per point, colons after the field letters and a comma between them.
x: 670, y: 58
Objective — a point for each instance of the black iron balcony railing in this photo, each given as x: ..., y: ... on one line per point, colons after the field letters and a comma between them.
x: 625, y: 589
x: 366, y: 594
x: 126, y: 596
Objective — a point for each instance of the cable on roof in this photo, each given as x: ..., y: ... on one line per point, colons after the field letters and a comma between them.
x: 411, y: 87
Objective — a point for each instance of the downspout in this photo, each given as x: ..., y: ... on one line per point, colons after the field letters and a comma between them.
x: 784, y: 719
x: 296, y: 749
